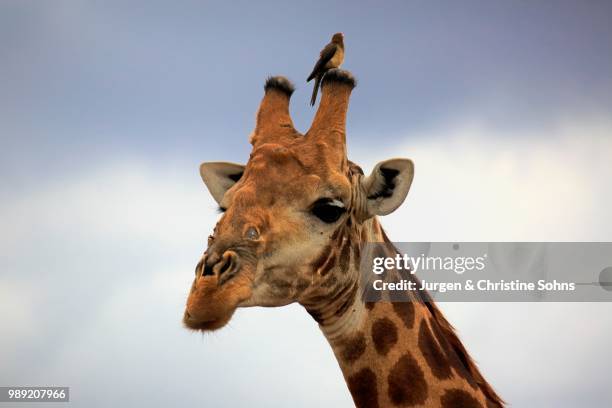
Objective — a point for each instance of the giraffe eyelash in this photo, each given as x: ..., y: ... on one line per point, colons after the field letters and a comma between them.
x: 329, y: 201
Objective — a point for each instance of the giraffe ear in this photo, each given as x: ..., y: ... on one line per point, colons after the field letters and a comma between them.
x: 386, y: 188
x: 220, y: 177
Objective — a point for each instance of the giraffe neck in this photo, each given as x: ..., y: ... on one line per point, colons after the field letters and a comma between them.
x: 397, y: 354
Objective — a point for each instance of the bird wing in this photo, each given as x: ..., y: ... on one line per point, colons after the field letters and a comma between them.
x: 327, y: 53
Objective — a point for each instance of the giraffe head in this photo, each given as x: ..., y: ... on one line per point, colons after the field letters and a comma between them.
x: 284, y: 210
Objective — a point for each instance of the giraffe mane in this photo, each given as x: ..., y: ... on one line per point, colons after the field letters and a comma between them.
x: 454, y: 343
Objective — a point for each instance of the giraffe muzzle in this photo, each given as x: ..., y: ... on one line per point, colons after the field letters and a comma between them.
x: 219, y: 286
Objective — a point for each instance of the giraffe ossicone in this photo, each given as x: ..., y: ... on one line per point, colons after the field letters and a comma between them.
x: 294, y: 220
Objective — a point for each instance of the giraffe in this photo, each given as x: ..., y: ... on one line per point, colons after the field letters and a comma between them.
x: 293, y: 225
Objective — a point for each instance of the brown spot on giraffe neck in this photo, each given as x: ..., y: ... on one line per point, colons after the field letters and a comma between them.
x: 353, y: 348
x: 432, y: 353
x: 407, y: 386
x: 405, y: 311
x: 384, y: 335
x: 363, y: 388
x: 458, y: 398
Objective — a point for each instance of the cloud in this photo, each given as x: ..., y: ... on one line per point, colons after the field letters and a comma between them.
x: 474, y: 183
x: 96, y: 267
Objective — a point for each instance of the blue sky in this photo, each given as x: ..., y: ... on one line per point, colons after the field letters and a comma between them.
x: 82, y: 81
x: 107, y: 109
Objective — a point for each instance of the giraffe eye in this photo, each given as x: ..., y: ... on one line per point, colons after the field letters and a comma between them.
x: 328, y: 210
x: 252, y: 233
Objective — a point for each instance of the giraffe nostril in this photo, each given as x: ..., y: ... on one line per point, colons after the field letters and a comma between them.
x: 208, y: 270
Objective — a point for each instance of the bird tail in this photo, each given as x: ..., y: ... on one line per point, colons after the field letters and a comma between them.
x: 315, y: 90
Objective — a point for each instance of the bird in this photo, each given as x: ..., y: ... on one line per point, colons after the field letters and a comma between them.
x: 331, y: 56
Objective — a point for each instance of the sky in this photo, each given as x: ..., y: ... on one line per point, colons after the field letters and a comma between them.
x: 108, y: 108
